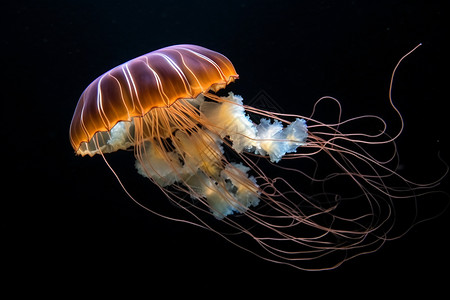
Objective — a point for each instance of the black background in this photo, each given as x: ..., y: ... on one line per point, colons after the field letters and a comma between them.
x: 67, y: 223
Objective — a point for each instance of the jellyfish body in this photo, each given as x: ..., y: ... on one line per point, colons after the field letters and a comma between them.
x: 203, y: 150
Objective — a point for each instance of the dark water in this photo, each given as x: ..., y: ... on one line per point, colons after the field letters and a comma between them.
x: 66, y: 214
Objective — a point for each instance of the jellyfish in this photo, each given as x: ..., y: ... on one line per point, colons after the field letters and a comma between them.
x: 255, y: 177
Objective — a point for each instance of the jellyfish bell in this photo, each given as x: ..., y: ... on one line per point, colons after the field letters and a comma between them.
x: 157, y: 79
x: 204, y: 152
